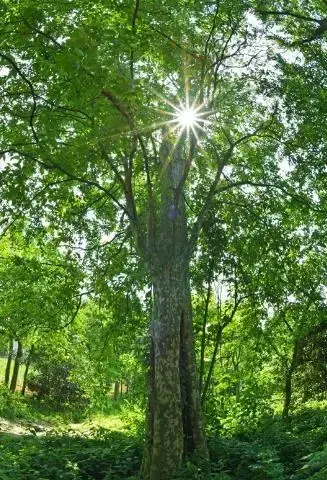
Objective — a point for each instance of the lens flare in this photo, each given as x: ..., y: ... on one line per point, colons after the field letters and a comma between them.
x: 187, y: 117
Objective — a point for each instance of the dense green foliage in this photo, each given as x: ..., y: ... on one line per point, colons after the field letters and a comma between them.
x: 273, y: 451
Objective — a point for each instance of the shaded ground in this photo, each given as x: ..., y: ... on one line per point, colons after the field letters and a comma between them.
x: 109, y: 447
x: 101, y: 455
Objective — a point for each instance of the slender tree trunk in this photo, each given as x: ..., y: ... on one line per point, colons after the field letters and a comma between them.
x: 19, y: 353
x: 116, y: 390
x: 175, y: 427
x: 27, y: 366
x: 288, y: 380
x: 9, y: 358
x: 212, y: 364
x: 220, y: 329
x: 204, y: 328
x: 194, y: 437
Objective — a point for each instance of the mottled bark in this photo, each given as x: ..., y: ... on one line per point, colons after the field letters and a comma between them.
x: 27, y: 367
x: 18, y: 357
x: 175, y: 425
x: 174, y: 422
x: 167, y: 430
x: 9, y: 359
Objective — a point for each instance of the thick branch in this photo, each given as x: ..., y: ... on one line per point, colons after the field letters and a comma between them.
x: 118, y: 106
x: 206, y: 48
x: 57, y: 166
x: 263, y: 185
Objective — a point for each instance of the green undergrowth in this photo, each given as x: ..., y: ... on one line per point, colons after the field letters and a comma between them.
x: 67, y: 456
x: 14, y: 406
x: 107, y: 445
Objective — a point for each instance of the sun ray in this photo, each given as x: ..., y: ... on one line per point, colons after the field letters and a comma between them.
x: 186, y: 117
x: 195, y: 133
x: 165, y: 100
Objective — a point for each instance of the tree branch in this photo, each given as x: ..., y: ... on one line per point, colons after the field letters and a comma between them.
x: 32, y: 91
x: 21, y: 211
x: 57, y: 166
x: 288, y: 13
x: 137, y: 5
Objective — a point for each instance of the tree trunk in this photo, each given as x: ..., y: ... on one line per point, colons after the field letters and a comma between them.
x: 220, y: 329
x: 19, y: 353
x: 116, y: 390
x: 212, y: 364
x: 175, y: 427
x: 204, y: 327
x: 288, y: 380
x: 27, y: 366
x: 9, y: 358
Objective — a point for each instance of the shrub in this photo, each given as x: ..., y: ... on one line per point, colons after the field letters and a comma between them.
x: 52, y: 381
x: 315, y: 466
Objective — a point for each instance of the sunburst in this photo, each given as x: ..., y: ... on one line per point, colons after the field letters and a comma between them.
x: 189, y: 119
x: 185, y: 117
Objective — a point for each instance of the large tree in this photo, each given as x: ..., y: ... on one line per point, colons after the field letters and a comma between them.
x: 90, y: 94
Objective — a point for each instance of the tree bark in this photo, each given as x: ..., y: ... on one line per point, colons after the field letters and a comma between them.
x: 175, y: 428
x: 27, y: 366
x: 8, y: 365
x: 14, y: 378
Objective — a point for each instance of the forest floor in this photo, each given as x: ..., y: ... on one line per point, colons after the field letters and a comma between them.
x: 42, y: 427
x: 37, y: 444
